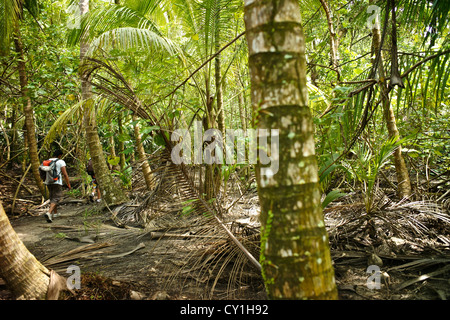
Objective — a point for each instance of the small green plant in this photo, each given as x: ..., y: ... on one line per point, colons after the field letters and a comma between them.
x: 74, y: 193
x: 125, y: 176
x: 368, y: 165
x: 325, y: 178
x: 60, y: 235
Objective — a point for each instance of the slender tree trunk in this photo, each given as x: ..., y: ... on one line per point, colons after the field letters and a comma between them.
x: 209, y: 122
x: 25, y: 276
x: 218, y: 80
x: 295, y: 255
x: 145, y: 167
x: 8, y: 144
x: 112, y: 148
x: 111, y: 193
x: 243, y: 118
x: 216, y: 168
x: 334, y: 60
x: 122, y: 162
x: 25, y: 147
x: 28, y: 112
x: 14, y: 145
x: 403, y: 180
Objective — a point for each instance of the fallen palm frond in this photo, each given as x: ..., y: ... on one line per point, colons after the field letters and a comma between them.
x: 175, y: 188
x: 422, y: 278
x: 83, y: 252
x: 392, y: 227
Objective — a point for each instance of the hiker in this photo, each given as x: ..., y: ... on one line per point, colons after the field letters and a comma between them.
x: 55, y: 188
x: 90, y: 171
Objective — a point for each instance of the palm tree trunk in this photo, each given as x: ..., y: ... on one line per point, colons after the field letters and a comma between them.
x: 146, y: 170
x: 111, y: 193
x: 25, y: 276
x: 403, y: 180
x: 218, y: 79
x: 209, y: 123
x: 243, y: 118
x: 216, y: 168
x: 122, y: 162
x: 29, y: 116
x: 295, y: 255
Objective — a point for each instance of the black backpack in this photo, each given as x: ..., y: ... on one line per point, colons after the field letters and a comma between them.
x: 48, y: 171
x: 90, y: 168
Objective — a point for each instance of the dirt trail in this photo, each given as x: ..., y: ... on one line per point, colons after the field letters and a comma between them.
x: 412, y: 240
x: 128, y: 257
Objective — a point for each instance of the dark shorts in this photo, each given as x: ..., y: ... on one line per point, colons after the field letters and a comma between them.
x: 55, y: 191
x: 94, y: 181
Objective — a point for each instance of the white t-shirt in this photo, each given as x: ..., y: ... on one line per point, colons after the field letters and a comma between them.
x: 59, y: 164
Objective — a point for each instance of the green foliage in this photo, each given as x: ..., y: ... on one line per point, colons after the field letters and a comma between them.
x: 9, y: 16
x: 157, y: 44
x: 124, y: 176
x: 368, y: 164
x: 331, y: 196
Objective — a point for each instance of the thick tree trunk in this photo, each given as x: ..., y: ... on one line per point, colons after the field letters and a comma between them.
x: 29, y: 116
x: 25, y: 276
x: 145, y: 167
x: 403, y: 180
x: 112, y: 194
x: 295, y: 254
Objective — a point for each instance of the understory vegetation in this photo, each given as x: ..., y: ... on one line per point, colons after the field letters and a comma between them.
x: 118, y: 81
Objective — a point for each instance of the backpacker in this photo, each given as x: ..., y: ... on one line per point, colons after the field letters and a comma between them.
x: 48, y: 171
x: 90, y: 168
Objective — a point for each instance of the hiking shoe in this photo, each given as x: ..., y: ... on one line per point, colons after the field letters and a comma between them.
x: 48, y: 217
x: 99, y: 200
x: 56, y: 215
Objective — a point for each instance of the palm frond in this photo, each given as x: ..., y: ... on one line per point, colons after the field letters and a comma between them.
x: 10, y: 11
x: 177, y: 177
x: 99, y: 105
x: 60, y: 124
x: 120, y: 27
x: 431, y: 17
x: 125, y: 38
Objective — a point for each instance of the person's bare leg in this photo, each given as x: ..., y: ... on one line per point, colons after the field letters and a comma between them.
x: 53, y: 208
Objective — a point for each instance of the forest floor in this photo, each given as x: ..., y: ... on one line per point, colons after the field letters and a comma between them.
x: 409, y: 241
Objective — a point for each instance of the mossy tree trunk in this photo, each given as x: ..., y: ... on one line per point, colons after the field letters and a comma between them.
x: 24, y: 275
x: 29, y: 115
x: 295, y: 254
x: 112, y: 194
